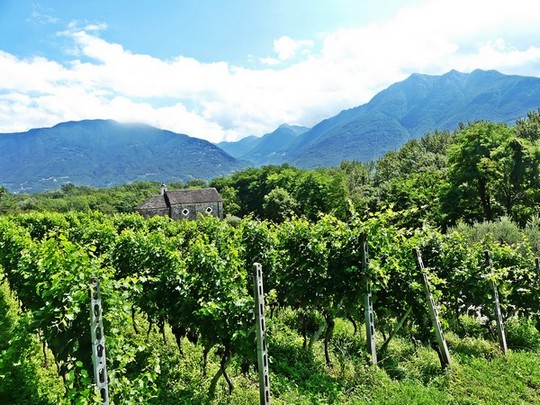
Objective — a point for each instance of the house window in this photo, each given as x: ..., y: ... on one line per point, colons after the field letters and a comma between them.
x: 209, y: 210
x: 185, y: 212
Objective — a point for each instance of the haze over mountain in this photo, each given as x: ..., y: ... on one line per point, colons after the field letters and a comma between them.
x: 405, y: 110
x: 103, y: 153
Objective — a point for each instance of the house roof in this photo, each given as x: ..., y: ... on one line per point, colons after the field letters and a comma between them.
x: 189, y: 196
x: 154, y: 202
x: 199, y: 195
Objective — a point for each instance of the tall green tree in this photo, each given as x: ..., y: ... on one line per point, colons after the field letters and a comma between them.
x: 529, y: 127
x: 279, y: 205
x: 411, y: 180
x: 473, y: 170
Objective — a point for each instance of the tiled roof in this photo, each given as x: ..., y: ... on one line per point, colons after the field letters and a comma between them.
x: 200, y: 195
x: 155, y: 201
x: 194, y: 196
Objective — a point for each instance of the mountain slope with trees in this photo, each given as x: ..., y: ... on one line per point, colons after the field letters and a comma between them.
x: 103, y: 153
x: 407, y: 110
x: 272, y: 148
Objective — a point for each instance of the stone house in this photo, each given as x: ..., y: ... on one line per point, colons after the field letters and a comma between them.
x: 183, y: 204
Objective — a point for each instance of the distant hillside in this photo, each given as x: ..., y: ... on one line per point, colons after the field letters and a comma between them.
x: 272, y: 148
x: 405, y: 110
x: 241, y: 147
x: 410, y: 108
x: 103, y: 153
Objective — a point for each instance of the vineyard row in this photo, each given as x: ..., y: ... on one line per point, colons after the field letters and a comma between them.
x: 194, y: 276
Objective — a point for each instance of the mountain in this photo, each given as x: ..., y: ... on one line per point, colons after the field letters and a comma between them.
x: 239, y: 148
x: 104, y: 153
x: 409, y: 109
x: 271, y: 148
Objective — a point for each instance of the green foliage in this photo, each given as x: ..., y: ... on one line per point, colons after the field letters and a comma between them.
x: 26, y: 373
x: 521, y: 334
x: 494, y: 168
x: 277, y: 192
x: 279, y: 205
x: 529, y: 127
x: 532, y: 232
x: 472, y: 171
x: 429, y: 153
x: 502, y: 231
x: 191, y: 280
x: 122, y: 198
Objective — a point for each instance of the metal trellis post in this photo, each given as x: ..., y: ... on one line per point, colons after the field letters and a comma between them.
x: 368, y: 303
x: 262, y: 355
x: 439, y: 334
x: 496, y: 305
x: 98, y: 342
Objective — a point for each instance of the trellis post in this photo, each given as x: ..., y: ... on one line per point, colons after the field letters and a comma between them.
x: 444, y: 354
x: 496, y: 304
x: 368, y: 301
x: 98, y: 342
x: 262, y: 355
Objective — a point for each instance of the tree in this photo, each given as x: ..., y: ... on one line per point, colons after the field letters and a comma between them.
x: 417, y: 156
x: 411, y: 179
x: 279, y: 205
x: 473, y: 169
x: 322, y: 191
x: 529, y: 127
x: 196, y: 183
x: 359, y: 180
x: 231, y: 202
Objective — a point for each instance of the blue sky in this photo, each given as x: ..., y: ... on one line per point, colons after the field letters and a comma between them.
x: 221, y: 70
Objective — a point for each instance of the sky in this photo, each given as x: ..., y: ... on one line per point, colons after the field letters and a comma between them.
x: 221, y: 70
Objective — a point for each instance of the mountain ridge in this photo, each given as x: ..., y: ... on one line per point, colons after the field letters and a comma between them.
x: 270, y: 148
x: 410, y: 108
x: 103, y: 153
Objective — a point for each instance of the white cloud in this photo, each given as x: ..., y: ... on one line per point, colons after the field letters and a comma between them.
x: 287, y: 48
x: 298, y: 85
x: 42, y: 16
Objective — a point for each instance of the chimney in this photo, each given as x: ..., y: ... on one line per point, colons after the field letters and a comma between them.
x: 163, y: 189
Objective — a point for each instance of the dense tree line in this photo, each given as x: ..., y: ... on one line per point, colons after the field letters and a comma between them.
x: 479, y: 172
x: 280, y: 192
x: 71, y: 197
